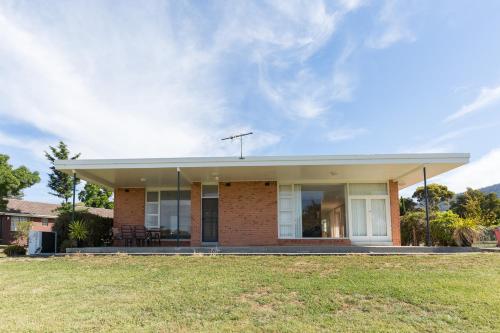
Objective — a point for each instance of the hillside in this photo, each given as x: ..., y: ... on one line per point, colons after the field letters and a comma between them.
x: 491, y: 189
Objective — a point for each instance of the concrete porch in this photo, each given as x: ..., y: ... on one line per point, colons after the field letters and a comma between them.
x: 277, y: 250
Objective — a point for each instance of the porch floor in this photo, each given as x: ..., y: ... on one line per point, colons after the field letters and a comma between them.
x: 277, y: 250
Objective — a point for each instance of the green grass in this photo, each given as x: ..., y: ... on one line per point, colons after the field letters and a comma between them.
x: 225, y: 293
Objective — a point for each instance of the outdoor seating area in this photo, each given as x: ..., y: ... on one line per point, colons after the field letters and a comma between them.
x: 136, y: 235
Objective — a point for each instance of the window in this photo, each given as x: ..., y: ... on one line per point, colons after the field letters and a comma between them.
x: 312, y: 211
x: 14, y: 220
x: 45, y: 222
x: 161, y: 213
x: 369, y: 211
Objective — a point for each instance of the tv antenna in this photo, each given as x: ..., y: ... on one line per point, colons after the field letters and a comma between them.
x: 232, y: 137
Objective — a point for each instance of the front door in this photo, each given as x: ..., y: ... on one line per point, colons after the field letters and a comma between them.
x: 210, y: 220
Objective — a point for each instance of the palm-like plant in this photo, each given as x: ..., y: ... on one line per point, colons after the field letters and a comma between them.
x: 78, y: 231
x: 466, y: 231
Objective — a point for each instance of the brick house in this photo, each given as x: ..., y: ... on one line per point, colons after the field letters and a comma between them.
x: 264, y: 201
x: 42, y: 215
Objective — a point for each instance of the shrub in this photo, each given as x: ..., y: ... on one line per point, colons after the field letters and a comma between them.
x: 14, y: 250
x: 412, y: 228
x: 99, y: 228
x: 78, y: 231
x: 23, y: 231
x: 466, y: 231
x: 442, y: 226
x: 66, y: 244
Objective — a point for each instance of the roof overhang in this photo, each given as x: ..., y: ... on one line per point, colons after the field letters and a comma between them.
x: 162, y: 172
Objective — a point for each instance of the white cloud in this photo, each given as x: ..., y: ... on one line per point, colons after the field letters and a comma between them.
x: 346, y: 133
x: 477, y: 174
x: 487, y: 97
x: 123, y: 90
x: 37, y: 147
x: 393, y: 26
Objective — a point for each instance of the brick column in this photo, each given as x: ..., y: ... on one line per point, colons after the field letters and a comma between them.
x: 196, y: 214
x: 395, y: 224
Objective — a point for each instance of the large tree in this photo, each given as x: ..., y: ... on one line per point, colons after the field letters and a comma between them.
x: 60, y: 183
x: 96, y: 196
x: 406, y: 205
x: 475, y: 204
x: 14, y: 181
x: 437, y: 194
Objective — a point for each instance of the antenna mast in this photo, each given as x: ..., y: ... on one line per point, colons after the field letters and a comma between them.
x: 232, y: 137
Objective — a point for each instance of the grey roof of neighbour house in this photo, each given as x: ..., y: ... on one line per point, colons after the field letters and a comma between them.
x: 16, y: 207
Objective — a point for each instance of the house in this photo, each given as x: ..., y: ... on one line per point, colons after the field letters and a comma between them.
x: 42, y: 215
x: 264, y: 201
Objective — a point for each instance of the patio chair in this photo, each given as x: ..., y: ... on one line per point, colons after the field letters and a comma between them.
x: 140, y: 235
x: 127, y: 234
x: 115, y: 235
x: 154, y: 235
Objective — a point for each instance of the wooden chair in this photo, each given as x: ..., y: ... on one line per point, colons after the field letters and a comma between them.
x: 127, y: 234
x: 140, y: 235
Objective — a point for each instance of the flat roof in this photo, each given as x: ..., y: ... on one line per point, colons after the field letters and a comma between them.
x: 142, y: 172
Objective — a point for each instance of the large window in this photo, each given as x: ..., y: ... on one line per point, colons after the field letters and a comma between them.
x: 369, y: 211
x: 161, y: 213
x: 312, y: 211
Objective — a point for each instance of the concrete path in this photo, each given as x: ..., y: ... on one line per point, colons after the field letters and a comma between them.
x: 279, y: 250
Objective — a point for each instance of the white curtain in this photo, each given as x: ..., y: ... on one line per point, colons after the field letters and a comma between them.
x: 358, y: 211
x: 286, y: 223
x: 379, y: 221
x: 298, y: 211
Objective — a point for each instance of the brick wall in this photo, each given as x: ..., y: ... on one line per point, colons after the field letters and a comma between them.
x: 248, y: 214
x: 195, y: 214
x: 395, y: 224
x: 129, y: 206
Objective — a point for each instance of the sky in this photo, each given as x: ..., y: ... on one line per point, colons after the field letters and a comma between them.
x: 125, y: 79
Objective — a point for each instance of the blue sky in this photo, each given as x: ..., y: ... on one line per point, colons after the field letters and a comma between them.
x: 163, y: 79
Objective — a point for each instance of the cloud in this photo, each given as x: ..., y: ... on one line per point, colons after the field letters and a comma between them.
x: 477, y: 174
x: 487, y: 97
x: 392, y: 23
x: 37, y: 147
x: 123, y: 90
x: 445, y: 142
x: 346, y: 133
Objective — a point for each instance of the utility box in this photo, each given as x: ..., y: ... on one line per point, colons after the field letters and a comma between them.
x: 42, y: 242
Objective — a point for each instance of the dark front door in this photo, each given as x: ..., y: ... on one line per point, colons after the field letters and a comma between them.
x: 210, y: 220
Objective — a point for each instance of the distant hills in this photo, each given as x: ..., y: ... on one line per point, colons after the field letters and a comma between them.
x: 491, y: 189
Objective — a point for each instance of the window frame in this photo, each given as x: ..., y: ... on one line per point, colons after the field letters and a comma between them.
x: 158, y: 190
x: 294, y: 213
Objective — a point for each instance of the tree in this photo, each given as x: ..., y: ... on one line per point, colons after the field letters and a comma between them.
x: 60, y: 183
x: 406, y: 205
x: 96, y: 196
x: 14, y: 181
x: 437, y: 194
x: 474, y: 204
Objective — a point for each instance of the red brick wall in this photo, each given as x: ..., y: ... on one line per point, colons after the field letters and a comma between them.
x: 395, y: 224
x: 195, y: 214
x: 248, y: 214
x: 38, y: 226
x: 129, y: 206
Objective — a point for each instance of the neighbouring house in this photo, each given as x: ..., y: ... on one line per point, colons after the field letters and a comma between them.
x: 42, y: 215
x: 264, y: 201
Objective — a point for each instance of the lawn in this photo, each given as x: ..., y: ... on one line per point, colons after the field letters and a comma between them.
x: 225, y: 293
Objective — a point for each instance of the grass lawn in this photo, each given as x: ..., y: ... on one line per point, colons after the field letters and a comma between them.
x: 224, y: 293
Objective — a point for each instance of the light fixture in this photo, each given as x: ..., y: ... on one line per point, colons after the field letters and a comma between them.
x: 143, y: 180
x: 333, y: 173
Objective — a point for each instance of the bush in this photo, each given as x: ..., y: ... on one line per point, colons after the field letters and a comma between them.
x: 466, y: 231
x: 99, y: 228
x: 66, y: 244
x: 14, y: 250
x: 78, y: 231
x: 442, y: 226
x: 412, y: 228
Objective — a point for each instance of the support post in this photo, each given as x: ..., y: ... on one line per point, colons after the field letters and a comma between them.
x: 427, y: 225
x: 178, y: 203
x: 74, y: 196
